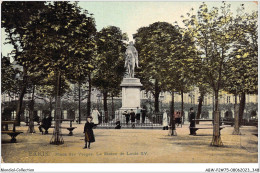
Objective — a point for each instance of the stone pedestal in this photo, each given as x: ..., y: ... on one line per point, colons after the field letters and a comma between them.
x: 131, y: 93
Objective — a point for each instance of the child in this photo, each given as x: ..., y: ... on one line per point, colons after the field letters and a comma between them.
x: 89, y: 135
x: 118, y: 125
x: 132, y: 115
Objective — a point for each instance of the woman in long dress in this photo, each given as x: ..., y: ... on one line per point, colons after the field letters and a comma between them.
x: 95, y: 115
x: 165, y: 120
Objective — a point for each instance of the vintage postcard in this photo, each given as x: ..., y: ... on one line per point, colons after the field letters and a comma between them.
x: 129, y: 82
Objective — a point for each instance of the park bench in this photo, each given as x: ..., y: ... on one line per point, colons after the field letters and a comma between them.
x: 12, y: 133
x: 70, y: 128
x: 199, y: 120
x: 228, y: 121
x: 198, y: 128
x: 231, y: 123
x: 203, y: 128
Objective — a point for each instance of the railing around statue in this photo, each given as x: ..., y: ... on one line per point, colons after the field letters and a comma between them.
x: 150, y: 120
x: 156, y: 118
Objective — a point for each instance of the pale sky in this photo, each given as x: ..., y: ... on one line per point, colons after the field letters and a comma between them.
x: 129, y: 16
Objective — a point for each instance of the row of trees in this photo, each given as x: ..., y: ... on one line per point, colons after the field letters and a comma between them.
x: 57, y: 45
x: 216, y: 51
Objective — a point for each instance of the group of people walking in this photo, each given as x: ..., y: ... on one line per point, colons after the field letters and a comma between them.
x: 177, y: 117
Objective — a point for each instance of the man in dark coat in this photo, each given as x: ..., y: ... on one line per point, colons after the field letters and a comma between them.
x: 88, y: 130
x: 48, y: 121
x: 132, y: 115
x: 43, y: 125
x: 192, y: 122
x: 143, y: 114
x: 46, y: 124
x: 127, y: 116
x: 138, y: 114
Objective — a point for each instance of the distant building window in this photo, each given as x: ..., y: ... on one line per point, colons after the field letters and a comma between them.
x: 205, y: 101
x: 162, y: 94
x: 228, y: 99
x: 52, y: 113
x: 192, y: 98
x: 65, y: 115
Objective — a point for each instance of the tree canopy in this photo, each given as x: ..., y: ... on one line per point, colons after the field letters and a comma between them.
x: 110, y: 60
x: 157, y: 45
x: 242, y: 67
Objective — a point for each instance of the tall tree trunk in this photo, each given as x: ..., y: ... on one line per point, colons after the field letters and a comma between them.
x: 50, y: 105
x: 199, y: 107
x: 156, y: 96
x: 242, y: 108
x: 113, y: 113
x: 23, y: 90
x: 171, y: 107
x: 57, y: 136
x: 172, y: 131
x: 31, y: 123
x: 89, y: 95
x: 19, y: 105
x: 182, y: 107
x: 79, y: 103
x: 213, y: 104
x: 105, y: 106
x: 216, y: 139
x: 236, y: 130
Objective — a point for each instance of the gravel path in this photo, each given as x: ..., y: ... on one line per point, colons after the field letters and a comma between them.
x: 133, y: 146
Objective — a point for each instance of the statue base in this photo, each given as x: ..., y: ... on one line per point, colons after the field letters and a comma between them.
x: 131, y: 93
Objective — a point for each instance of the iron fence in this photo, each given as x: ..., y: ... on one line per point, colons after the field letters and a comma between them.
x: 150, y: 120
